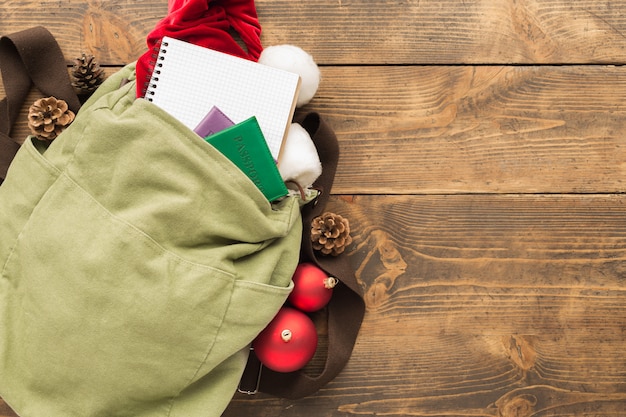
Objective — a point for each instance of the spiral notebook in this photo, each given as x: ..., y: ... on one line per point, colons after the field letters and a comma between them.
x: 188, y: 80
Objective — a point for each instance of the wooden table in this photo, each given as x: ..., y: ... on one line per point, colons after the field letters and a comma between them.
x: 483, y: 166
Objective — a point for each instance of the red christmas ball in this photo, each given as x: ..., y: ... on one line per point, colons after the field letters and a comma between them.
x: 288, y: 342
x: 312, y: 289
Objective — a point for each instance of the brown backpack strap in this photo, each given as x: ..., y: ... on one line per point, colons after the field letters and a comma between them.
x: 346, y: 307
x: 31, y: 56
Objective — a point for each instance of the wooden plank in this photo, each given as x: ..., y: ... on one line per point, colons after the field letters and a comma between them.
x: 480, y: 305
x: 473, y: 129
x: 361, y: 31
x: 508, y: 306
x: 5, y: 410
x: 450, y: 31
x: 478, y: 129
x: 114, y: 32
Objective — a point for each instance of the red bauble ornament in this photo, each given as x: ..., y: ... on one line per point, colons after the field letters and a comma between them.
x: 288, y: 342
x: 312, y: 289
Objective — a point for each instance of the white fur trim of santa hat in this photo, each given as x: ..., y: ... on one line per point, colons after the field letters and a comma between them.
x: 299, y: 160
x: 294, y: 59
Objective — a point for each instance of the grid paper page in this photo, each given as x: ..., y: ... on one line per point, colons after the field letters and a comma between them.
x: 188, y: 80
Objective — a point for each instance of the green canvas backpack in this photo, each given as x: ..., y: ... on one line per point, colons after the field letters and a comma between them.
x: 138, y: 264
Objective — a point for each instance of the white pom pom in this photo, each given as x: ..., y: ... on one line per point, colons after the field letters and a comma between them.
x: 299, y: 160
x: 294, y: 59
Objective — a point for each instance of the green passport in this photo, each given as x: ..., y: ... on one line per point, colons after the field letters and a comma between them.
x: 245, y: 145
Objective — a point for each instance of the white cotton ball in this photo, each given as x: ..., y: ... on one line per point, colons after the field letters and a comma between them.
x: 299, y: 160
x: 294, y: 59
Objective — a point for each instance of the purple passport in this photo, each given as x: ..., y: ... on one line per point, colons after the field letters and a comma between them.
x: 213, y: 122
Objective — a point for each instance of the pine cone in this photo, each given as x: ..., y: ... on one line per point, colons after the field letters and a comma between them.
x: 86, y: 74
x: 330, y: 233
x: 48, y: 117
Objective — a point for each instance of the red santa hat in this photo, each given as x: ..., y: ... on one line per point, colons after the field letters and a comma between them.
x: 206, y: 23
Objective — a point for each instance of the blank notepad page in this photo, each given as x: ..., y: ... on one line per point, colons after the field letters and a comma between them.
x: 188, y: 80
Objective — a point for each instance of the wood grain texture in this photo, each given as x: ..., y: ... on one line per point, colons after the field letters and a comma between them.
x: 450, y: 32
x: 477, y: 129
x: 465, y: 129
x: 362, y: 31
x: 508, y: 306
